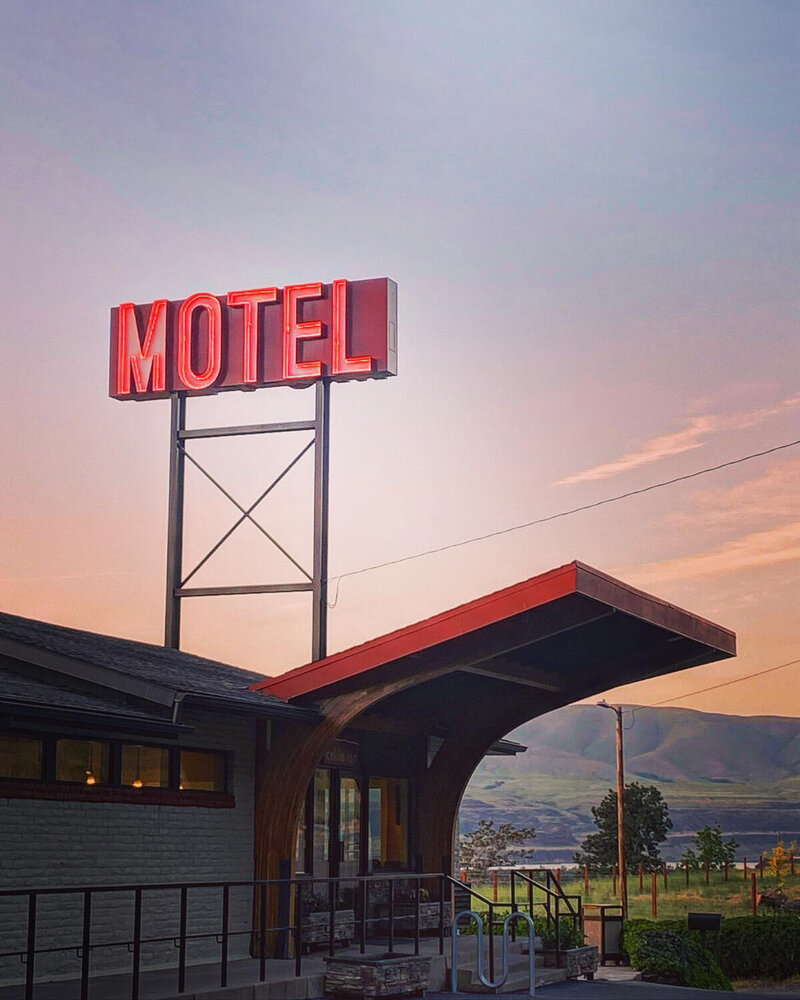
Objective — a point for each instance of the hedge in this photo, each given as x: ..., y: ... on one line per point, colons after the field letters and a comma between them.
x: 758, y: 946
x: 744, y: 947
x: 673, y: 955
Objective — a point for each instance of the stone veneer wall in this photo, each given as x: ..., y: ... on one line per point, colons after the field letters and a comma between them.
x: 62, y: 843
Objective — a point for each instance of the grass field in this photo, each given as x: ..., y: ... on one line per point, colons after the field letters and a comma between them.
x: 731, y: 898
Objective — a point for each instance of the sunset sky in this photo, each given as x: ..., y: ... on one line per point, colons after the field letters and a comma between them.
x: 591, y: 212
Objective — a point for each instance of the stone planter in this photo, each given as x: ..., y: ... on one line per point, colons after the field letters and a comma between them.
x: 576, y: 961
x: 404, y: 919
x: 387, y: 975
x: 317, y: 927
x: 429, y: 916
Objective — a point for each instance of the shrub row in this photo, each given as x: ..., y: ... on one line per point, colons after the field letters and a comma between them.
x: 758, y: 946
x: 744, y: 947
x: 673, y: 955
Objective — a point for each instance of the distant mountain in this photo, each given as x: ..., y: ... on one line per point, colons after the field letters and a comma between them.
x: 740, y: 771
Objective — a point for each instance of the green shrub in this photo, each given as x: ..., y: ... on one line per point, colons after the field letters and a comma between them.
x: 758, y: 946
x: 570, y: 934
x: 672, y: 954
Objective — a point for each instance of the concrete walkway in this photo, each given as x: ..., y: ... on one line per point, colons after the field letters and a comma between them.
x: 599, y: 990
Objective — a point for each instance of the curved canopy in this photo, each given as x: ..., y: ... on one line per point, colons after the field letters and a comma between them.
x: 570, y: 632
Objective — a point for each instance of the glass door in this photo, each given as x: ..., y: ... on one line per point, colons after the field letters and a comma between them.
x: 349, y: 834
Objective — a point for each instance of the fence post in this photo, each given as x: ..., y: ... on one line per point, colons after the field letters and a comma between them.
x: 745, y: 869
x: 791, y: 864
x: 753, y: 894
x: 495, y: 887
x: 665, y: 876
x: 614, y: 881
x: 641, y: 878
x: 726, y: 870
x: 761, y: 865
x: 586, y: 879
x: 686, y: 866
x: 654, y: 894
x: 708, y: 870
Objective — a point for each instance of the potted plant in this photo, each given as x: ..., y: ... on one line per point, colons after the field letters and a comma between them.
x: 578, y: 958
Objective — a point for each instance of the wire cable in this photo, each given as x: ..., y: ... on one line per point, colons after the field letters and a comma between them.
x: 553, y: 517
x: 736, y: 680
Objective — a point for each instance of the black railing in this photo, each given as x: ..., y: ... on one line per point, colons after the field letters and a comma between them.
x: 386, y: 907
x: 553, y: 899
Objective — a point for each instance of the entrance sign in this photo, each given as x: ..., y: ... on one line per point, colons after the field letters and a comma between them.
x: 254, y: 337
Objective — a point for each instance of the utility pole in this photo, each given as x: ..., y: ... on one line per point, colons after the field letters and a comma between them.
x: 623, y: 871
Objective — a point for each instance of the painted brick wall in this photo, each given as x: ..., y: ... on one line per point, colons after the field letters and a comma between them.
x: 47, y: 843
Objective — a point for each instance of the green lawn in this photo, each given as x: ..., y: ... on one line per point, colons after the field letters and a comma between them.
x: 731, y: 898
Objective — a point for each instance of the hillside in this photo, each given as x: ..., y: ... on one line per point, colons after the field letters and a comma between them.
x: 743, y: 772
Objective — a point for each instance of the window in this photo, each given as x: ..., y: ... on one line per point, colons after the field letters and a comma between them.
x: 388, y: 823
x: 322, y: 817
x: 82, y: 760
x: 174, y: 775
x: 202, y: 771
x: 145, y: 767
x: 20, y: 757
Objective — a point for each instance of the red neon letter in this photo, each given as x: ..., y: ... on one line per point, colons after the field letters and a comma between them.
x: 342, y: 365
x: 294, y: 331
x: 190, y: 378
x: 147, y: 360
x: 251, y: 299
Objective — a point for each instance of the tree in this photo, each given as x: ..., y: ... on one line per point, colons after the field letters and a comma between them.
x: 709, y: 848
x: 779, y: 861
x: 646, y: 824
x: 489, y: 845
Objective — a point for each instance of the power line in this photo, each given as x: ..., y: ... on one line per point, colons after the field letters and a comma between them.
x: 736, y: 680
x: 554, y: 517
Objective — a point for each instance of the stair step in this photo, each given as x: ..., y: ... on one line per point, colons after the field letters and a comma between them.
x: 518, y: 984
x: 517, y: 981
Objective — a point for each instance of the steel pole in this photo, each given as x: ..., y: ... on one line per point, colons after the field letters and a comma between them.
x: 319, y: 628
x: 172, y: 616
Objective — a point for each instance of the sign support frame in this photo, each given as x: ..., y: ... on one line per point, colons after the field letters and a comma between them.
x: 317, y: 580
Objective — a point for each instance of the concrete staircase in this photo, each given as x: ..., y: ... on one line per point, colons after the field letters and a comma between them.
x: 518, y: 969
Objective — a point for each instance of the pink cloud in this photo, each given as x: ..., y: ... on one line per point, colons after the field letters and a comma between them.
x: 691, y: 437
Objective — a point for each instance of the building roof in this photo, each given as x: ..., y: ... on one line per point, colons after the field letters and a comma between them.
x: 46, y: 664
x: 563, y: 630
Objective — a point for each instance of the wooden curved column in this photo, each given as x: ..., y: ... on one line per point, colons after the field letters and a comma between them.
x: 442, y: 786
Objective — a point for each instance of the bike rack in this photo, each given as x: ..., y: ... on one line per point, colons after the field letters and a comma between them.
x: 488, y: 982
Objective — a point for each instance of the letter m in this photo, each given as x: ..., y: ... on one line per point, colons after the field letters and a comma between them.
x: 146, y: 359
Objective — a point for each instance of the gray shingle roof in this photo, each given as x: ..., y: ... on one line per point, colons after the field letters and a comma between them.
x: 171, y: 669
x: 16, y: 687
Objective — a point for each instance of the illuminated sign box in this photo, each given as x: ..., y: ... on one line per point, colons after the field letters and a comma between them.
x: 254, y: 337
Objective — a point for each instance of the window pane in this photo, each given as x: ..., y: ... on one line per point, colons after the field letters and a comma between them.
x: 350, y: 826
x: 388, y: 823
x: 300, y: 850
x: 82, y: 760
x: 204, y: 772
x: 20, y: 757
x: 322, y: 815
x: 146, y: 767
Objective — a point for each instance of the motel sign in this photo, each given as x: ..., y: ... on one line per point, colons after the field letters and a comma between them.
x: 254, y: 337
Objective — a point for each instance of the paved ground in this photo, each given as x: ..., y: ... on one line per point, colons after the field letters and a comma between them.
x: 598, y: 990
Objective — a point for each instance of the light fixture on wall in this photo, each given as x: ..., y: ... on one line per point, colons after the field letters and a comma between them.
x: 90, y: 778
